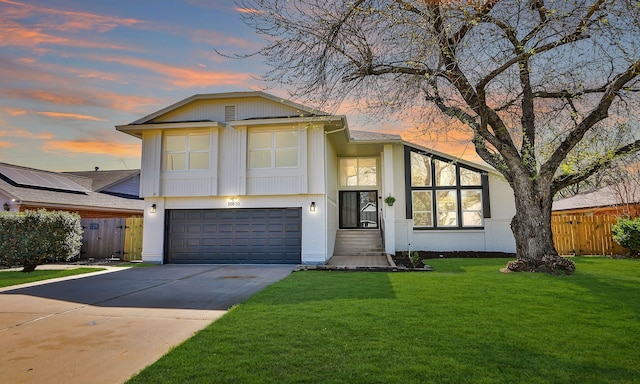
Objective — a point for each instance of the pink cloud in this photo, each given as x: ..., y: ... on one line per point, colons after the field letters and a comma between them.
x: 6, y: 144
x: 183, y: 77
x: 52, y: 21
x: 72, y: 116
x: 23, y: 134
x: 64, y: 20
x: 96, y: 98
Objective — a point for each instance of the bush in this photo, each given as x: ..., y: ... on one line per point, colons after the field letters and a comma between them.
x: 27, y: 238
x: 626, y: 232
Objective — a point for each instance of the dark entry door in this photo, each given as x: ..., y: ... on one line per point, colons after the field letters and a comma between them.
x: 358, y: 209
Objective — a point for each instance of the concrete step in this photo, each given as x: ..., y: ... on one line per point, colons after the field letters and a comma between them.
x: 358, y: 242
x: 360, y: 253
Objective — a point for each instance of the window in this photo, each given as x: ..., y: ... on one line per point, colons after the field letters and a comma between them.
x: 445, y: 194
x: 273, y: 149
x: 186, y: 152
x: 358, y: 172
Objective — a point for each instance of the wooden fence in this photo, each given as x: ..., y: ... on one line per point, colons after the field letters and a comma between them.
x: 114, y: 238
x: 585, y: 235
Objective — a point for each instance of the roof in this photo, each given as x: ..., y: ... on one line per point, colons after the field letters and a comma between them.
x: 373, y: 136
x: 607, y: 196
x: 230, y: 95
x: 102, y: 180
x: 44, y: 196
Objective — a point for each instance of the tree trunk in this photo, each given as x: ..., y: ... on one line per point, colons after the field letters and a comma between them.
x: 29, y: 267
x: 531, y: 226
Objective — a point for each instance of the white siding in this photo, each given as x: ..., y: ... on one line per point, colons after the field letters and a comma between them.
x: 331, y: 187
x: 151, y: 163
x: 315, y: 155
x: 229, y: 161
x: 388, y: 189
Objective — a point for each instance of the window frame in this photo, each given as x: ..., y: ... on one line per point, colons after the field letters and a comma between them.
x: 186, y: 151
x: 273, y: 149
x: 457, y: 190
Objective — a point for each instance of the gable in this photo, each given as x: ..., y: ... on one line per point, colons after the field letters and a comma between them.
x: 228, y: 107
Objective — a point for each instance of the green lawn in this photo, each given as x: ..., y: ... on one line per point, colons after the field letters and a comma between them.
x: 464, y: 323
x: 8, y: 278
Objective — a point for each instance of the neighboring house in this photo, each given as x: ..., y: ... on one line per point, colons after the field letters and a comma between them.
x: 96, y: 194
x: 247, y: 177
x: 613, y: 200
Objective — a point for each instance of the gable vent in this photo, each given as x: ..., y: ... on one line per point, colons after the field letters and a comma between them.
x: 230, y: 113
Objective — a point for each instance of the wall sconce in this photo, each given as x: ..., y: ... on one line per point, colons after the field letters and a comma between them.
x: 6, y: 207
x: 152, y: 208
x: 312, y: 207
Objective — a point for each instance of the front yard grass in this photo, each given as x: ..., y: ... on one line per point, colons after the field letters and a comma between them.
x: 8, y: 278
x: 464, y: 323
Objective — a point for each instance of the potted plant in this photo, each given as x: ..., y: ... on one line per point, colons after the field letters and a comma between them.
x: 390, y: 200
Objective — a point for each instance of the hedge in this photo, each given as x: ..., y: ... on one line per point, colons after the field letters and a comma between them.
x: 28, y: 238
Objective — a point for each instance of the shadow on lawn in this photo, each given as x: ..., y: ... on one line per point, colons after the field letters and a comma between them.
x: 606, y: 284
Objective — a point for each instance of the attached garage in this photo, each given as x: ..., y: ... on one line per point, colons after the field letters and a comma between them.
x: 234, y: 236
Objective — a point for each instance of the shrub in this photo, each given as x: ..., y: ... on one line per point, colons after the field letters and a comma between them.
x: 27, y: 238
x: 626, y: 232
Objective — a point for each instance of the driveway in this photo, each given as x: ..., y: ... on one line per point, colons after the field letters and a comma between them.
x: 106, y: 327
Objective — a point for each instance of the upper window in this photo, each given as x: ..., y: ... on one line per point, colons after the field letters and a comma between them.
x: 186, y: 152
x: 273, y: 149
x: 359, y: 172
x: 445, y: 194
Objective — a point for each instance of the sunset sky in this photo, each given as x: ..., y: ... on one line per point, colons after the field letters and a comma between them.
x: 70, y: 70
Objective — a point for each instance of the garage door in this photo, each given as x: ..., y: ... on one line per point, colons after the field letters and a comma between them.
x: 234, y: 236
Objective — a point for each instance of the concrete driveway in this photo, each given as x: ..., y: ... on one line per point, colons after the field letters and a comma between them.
x: 106, y: 327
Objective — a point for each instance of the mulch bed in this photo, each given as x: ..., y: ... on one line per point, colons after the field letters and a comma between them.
x: 405, y: 259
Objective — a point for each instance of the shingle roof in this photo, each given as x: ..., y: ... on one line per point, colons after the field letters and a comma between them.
x: 373, y: 136
x: 603, y: 197
x: 104, y: 179
x: 87, y: 200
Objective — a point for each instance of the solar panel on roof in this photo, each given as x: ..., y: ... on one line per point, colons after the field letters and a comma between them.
x: 35, y: 179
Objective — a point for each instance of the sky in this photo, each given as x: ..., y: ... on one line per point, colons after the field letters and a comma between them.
x: 71, y: 70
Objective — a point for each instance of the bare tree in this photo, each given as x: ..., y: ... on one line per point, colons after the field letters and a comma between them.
x: 535, y: 81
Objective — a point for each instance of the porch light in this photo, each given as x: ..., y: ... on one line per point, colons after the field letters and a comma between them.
x: 152, y: 208
x: 6, y: 207
x: 312, y: 207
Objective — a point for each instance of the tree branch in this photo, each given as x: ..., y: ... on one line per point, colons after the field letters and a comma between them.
x: 601, y: 163
x: 599, y: 113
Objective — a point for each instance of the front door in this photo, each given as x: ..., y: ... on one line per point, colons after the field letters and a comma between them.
x: 358, y: 209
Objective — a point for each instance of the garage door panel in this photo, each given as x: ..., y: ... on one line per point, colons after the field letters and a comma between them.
x: 226, y: 236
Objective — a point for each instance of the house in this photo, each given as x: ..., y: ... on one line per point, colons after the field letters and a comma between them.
x: 613, y: 200
x: 95, y: 194
x: 247, y: 177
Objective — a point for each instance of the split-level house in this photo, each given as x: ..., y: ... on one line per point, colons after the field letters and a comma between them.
x: 247, y: 177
